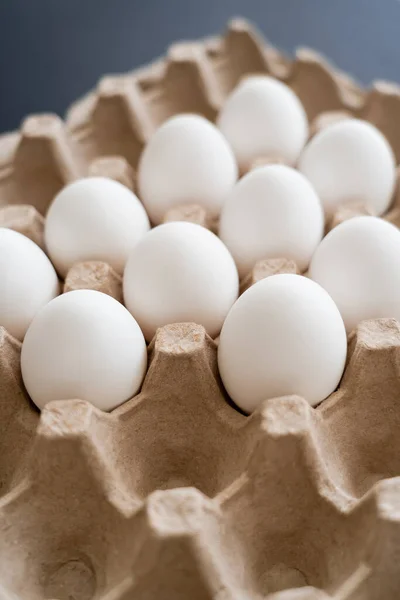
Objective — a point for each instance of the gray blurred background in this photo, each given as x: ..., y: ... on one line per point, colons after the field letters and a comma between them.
x: 53, y: 51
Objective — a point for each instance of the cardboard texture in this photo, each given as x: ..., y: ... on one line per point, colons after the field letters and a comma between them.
x: 94, y: 275
x: 176, y: 494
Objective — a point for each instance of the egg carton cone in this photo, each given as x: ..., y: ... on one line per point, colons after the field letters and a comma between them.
x: 176, y: 494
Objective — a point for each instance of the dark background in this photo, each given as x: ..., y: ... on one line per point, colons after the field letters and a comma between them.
x: 52, y: 51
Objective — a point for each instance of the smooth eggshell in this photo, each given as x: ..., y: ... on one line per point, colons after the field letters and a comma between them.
x: 263, y: 118
x: 180, y: 272
x: 83, y: 345
x: 350, y: 161
x: 94, y: 219
x: 187, y: 161
x: 283, y: 336
x: 28, y: 281
x: 272, y: 212
x: 358, y: 263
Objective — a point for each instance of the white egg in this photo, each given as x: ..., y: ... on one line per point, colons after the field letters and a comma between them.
x: 272, y: 212
x: 358, y: 263
x: 283, y: 336
x: 187, y: 161
x: 263, y: 118
x: 83, y: 345
x: 180, y: 272
x: 350, y: 161
x: 94, y: 219
x: 28, y: 281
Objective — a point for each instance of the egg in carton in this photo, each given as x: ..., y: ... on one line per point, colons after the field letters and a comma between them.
x: 176, y: 494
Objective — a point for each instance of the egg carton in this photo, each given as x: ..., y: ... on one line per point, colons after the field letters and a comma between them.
x: 176, y: 494
x: 117, y: 118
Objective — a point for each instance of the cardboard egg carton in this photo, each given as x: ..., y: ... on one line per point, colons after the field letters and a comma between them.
x: 176, y: 494
x: 117, y: 118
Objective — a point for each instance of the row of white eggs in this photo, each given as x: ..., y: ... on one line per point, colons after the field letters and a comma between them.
x: 263, y: 119
x: 284, y: 335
